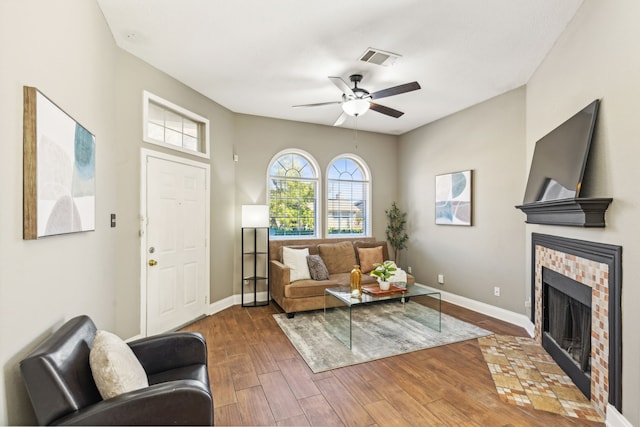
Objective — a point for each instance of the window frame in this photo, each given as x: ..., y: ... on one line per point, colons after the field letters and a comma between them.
x: 367, y: 177
x: 319, y: 191
x: 148, y: 97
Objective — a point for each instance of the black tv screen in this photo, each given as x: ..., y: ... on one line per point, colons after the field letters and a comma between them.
x: 560, y: 157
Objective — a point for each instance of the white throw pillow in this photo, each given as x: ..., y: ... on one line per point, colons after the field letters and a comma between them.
x: 115, y: 368
x: 296, y: 259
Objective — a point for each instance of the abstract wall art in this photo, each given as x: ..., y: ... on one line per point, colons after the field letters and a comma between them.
x: 59, y: 170
x: 453, y: 198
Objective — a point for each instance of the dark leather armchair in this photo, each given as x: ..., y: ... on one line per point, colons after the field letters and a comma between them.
x: 62, y: 390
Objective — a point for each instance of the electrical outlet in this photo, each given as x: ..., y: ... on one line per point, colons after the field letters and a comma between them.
x: 409, y: 269
x: 527, y: 304
x: 496, y: 291
x: 441, y: 278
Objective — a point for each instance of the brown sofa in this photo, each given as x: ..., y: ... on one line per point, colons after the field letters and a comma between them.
x: 339, y: 255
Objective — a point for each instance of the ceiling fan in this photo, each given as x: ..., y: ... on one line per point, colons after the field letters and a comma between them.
x: 356, y: 101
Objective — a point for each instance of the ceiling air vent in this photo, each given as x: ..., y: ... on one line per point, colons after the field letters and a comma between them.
x: 379, y: 57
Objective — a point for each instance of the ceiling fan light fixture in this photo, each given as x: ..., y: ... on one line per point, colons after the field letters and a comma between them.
x: 355, y: 107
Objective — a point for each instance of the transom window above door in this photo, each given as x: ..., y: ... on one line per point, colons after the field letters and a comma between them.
x: 174, y: 127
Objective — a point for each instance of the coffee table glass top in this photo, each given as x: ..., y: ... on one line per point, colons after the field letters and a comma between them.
x: 344, y: 294
x: 339, y: 304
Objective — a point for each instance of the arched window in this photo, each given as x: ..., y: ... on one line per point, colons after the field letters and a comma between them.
x: 348, y: 197
x: 293, y: 195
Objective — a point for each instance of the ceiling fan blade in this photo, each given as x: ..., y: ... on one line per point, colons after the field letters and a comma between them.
x: 340, y: 119
x: 385, y: 110
x: 319, y: 104
x: 396, y: 90
x: 342, y: 85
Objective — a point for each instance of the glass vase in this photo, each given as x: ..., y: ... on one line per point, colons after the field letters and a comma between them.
x: 355, y: 282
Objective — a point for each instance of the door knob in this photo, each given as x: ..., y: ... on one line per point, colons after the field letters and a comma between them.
x: 152, y: 262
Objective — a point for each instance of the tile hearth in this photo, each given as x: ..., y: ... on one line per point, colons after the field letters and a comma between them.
x: 525, y: 375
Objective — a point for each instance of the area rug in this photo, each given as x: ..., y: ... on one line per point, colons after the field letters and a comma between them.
x: 526, y: 375
x: 378, y: 331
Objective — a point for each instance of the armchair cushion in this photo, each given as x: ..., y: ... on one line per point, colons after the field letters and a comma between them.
x: 115, y: 368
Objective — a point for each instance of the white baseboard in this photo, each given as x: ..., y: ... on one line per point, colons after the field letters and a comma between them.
x: 615, y: 418
x: 487, y: 309
x: 223, y: 304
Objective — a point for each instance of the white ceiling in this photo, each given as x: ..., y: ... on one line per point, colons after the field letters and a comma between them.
x: 261, y: 57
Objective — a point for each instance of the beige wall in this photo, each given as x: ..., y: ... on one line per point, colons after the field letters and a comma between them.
x: 489, y: 139
x: 65, y: 49
x: 597, y: 57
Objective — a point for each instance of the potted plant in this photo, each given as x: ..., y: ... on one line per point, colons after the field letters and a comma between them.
x: 383, y: 272
x: 396, y: 236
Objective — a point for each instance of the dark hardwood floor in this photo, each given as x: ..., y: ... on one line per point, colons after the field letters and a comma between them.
x: 258, y: 378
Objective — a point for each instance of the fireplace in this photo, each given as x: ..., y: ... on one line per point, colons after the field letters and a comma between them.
x: 566, y: 326
x: 577, y: 312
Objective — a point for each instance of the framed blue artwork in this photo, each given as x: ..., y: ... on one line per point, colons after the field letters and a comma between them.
x: 453, y: 198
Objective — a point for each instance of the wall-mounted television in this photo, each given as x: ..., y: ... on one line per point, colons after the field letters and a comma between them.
x: 560, y: 157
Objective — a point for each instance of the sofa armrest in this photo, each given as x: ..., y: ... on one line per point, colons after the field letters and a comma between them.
x: 169, y: 351
x: 279, y: 279
x: 185, y: 402
x: 279, y: 272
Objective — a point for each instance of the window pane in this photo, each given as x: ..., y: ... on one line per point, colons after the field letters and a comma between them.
x: 155, y: 131
x: 156, y: 114
x: 292, y: 199
x: 173, y: 121
x: 190, y: 128
x: 189, y: 143
x: 347, y: 202
x: 173, y: 137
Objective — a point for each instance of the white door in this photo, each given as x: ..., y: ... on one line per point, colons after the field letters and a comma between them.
x: 177, y: 266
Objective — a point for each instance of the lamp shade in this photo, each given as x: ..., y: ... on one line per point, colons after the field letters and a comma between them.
x: 355, y: 107
x: 255, y: 216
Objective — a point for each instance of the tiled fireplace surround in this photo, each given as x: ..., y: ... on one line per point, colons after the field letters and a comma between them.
x: 597, y: 266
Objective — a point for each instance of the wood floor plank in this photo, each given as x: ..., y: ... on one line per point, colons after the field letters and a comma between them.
x: 343, y: 403
x: 262, y: 359
x: 298, y: 378
x: 280, y: 397
x: 227, y: 415
x: 357, y: 386
x: 254, y: 408
x: 319, y: 412
x: 222, y: 388
x: 385, y: 414
x: 411, y: 409
x: 298, y: 421
x: 243, y: 373
x: 449, y: 414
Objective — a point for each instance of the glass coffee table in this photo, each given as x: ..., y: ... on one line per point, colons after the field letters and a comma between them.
x: 339, y: 307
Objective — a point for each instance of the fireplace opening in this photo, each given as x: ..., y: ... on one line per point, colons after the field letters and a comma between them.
x: 567, y: 326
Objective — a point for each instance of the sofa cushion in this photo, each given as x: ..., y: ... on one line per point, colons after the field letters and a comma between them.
x: 368, y: 244
x: 368, y: 257
x: 296, y: 260
x: 309, y: 288
x: 115, y: 368
x: 338, y: 257
x: 317, y: 269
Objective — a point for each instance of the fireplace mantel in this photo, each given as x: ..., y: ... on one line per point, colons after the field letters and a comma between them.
x: 579, y: 212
